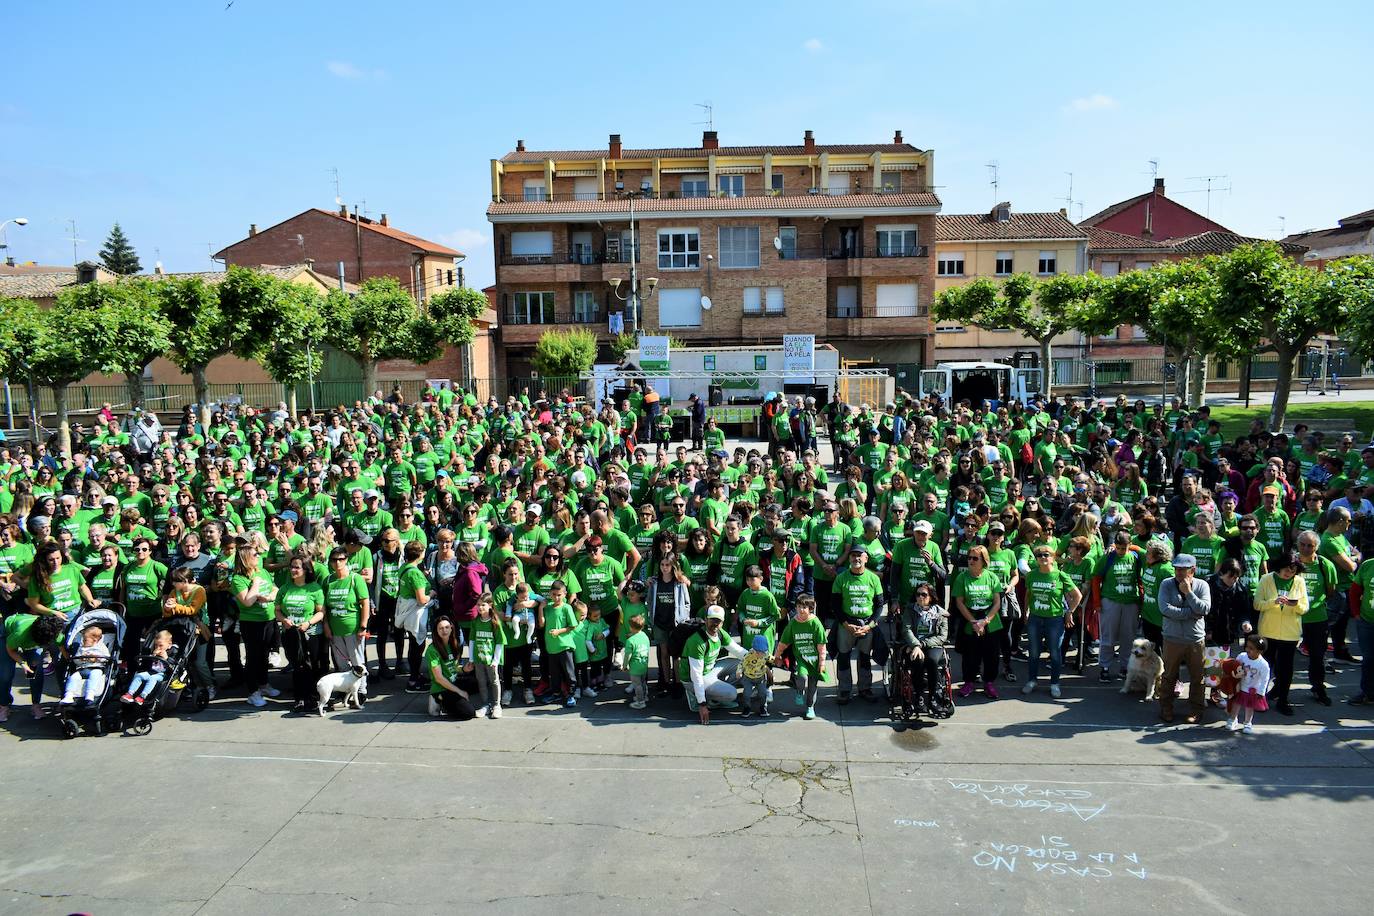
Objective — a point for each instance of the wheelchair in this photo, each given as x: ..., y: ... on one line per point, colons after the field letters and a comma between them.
x: 901, y: 691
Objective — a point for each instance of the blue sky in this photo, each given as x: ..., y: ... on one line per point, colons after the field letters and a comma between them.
x: 186, y: 121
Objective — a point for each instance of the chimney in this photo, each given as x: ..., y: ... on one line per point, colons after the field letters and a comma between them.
x: 157, y: 269
x: 519, y: 146
x: 385, y: 222
x: 897, y: 137
x: 809, y: 142
x: 343, y: 210
x: 309, y: 263
x: 709, y: 140
x: 1159, y: 186
x: 1063, y: 211
x: 614, y: 146
x: 252, y: 229
x: 9, y: 260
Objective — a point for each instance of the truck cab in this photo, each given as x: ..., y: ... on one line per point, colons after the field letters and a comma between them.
x: 976, y: 382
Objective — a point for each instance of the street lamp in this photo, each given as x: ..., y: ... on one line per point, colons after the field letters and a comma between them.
x: 4, y: 238
x: 633, y: 295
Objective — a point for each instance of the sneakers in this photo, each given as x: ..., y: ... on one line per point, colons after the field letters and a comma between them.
x: 843, y: 698
x: 505, y: 698
x: 810, y: 713
x: 1321, y: 698
x: 529, y: 697
x: 434, y: 708
x: 210, y: 692
x: 638, y: 704
x: 1008, y: 675
x: 629, y: 690
x: 990, y: 691
x: 1248, y: 729
x: 588, y: 693
x: 966, y: 691
x: 1232, y: 725
x: 1029, y: 688
x: 747, y: 714
x: 495, y: 712
x: 414, y: 685
x: 127, y: 698
x: 255, y: 699
x: 268, y: 690
x: 276, y: 660
x: 1105, y: 677
x: 1055, y: 691
x: 385, y: 673
x: 4, y: 714
x: 138, y: 701
x: 570, y: 701
x: 798, y: 698
x: 764, y: 713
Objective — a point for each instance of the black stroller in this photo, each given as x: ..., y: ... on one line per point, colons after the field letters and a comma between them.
x: 99, y: 713
x: 164, y: 697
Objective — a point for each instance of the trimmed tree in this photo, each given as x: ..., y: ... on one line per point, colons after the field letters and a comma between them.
x: 1353, y: 279
x: 131, y: 331
x: 453, y: 312
x: 49, y: 347
x: 380, y: 322
x: 291, y: 352
x: 118, y: 255
x: 560, y: 354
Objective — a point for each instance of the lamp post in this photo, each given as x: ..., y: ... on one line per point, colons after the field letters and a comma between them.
x: 4, y: 237
x: 633, y: 296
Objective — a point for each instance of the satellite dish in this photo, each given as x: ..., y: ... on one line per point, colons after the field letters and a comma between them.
x: 777, y: 243
x: 706, y: 303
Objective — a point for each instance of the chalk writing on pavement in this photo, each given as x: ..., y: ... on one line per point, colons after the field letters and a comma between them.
x: 1055, y: 857
x: 1027, y: 797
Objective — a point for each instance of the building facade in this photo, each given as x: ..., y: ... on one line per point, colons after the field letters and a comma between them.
x: 744, y: 244
x: 1351, y: 236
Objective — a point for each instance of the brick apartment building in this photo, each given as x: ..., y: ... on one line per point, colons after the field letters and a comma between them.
x: 363, y: 248
x: 831, y: 240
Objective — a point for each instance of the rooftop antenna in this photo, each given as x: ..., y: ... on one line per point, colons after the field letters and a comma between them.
x: 1154, y: 169
x: 710, y: 114
x: 71, y: 227
x: 992, y: 176
x: 338, y: 200
x: 1283, y: 222
x: 1068, y: 201
x: 1208, y: 179
x: 1079, y: 204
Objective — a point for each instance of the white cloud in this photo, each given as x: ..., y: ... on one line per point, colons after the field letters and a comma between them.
x: 1096, y: 102
x: 465, y: 240
x: 813, y: 45
x: 347, y: 71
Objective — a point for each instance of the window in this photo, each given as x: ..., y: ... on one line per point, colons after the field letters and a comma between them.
x: 1110, y: 335
x: 584, y: 307
x: 1110, y: 268
x: 438, y: 276
x: 891, y: 182
x: 530, y: 308
x: 679, y: 308
x: 777, y: 182
x: 1005, y: 262
x: 679, y: 249
x: 759, y: 300
x: 730, y: 185
x: 847, y: 301
x: 950, y: 264
x: 1138, y: 333
x: 949, y: 329
x: 586, y: 188
x: 1144, y: 265
x: 694, y: 186
x: 837, y: 183
x: 535, y: 190
x: 896, y: 241
x: 739, y: 247
x: 531, y: 246
x: 1048, y: 262
x: 450, y: 277
x: 788, y: 236
x: 896, y: 300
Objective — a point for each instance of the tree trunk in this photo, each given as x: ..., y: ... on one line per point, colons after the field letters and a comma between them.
x: 1283, y: 387
x: 1181, y: 373
x: 134, y: 382
x: 1046, y: 365
x: 291, y: 399
x: 202, y: 392
x: 369, y: 377
x: 64, y: 428
x: 1197, y: 381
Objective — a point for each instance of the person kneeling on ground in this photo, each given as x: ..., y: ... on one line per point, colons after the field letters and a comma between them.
x: 443, y: 659
x: 711, y: 677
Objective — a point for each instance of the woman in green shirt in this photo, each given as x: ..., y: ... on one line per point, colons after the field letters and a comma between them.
x: 300, y: 610
x: 106, y: 581
x: 443, y: 659
x: 1156, y: 568
x: 347, y: 611
x: 413, y: 590
x: 254, y: 597
x: 56, y: 587
x: 977, y: 595
x: 1051, y: 596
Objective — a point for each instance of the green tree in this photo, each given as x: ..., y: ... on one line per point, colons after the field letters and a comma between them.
x: 380, y: 322
x: 453, y: 313
x: 621, y: 344
x: 1353, y: 279
x: 560, y: 354
x: 1040, y: 310
x: 291, y: 351
x: 131, y: 331
x: 1268, y: 297
x: 118, y: 254
x: 49, y: 348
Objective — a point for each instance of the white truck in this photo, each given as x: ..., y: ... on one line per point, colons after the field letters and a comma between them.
x: 995, y: 382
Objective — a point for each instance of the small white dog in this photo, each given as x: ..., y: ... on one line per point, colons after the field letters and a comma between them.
x: 1144, y: 669
x: 348, y: 683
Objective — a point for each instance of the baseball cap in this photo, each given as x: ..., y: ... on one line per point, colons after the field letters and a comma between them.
x: 372, y: 494
x: 997, y: 526
x: 290, y: 516
x: 108, y: 501
x: 858, y: 548
x: 535, y: 509
x: 760, y: 643
x: 925, y: 526
x: 1185, y: 561
x: 715, y: 612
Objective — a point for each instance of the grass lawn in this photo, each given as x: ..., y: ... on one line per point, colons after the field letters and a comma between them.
x: 1235, y: 421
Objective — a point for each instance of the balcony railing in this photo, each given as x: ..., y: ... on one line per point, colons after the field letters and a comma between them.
x: 519, y: 196
x: 903, y: 251
x: 577, y: 256
x: 876, y: 311
x: 835, y: 253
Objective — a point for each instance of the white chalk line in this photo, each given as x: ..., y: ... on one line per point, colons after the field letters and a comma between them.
x: 460, y: 766
x: 1033, y: 780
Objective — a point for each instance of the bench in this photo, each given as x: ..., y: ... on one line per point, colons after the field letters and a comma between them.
x: 1331, y: 427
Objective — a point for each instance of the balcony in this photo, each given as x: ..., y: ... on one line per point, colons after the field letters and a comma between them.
x: 903, y: 251
x: 878, y: 321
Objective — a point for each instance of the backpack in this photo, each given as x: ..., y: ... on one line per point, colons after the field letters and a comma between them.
x: 677, y: 640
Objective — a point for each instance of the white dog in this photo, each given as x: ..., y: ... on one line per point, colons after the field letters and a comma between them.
x: 348, y: 683
x: 1144, y: 669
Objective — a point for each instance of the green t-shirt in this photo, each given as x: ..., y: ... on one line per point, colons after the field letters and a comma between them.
x: 806, y: 640
x: 1150, y: 579
x: 557, y: 618
x: 298, y: 603
x: 486, y: 636
x: 637, y: 654
x: 858, y: 593
x: 343, y: 602
x: 978, y: 593
x: 63, y: 594
x: 18, y: 632
x: 1331, y: 546
x: 734, y: 559
x: 448, y: 667
x: 599, y: 583
x: 831, y: 544
x: 1045, y: 592
x: 704, y: 649
x: 1204, y: 551
x: 1120, y: 576
x: 1364, y: 577
x: 761, y: 606
x: 143, y: 588
x: 1320, y: 577
x: 255, y: 612
x: 16, y: 558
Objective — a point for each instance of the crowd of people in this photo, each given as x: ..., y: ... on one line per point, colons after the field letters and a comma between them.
x: 548, y: 550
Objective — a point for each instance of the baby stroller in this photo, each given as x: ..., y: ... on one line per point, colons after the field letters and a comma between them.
x: 98, y: 715
x: 901, y: 689
x: 165, y: 696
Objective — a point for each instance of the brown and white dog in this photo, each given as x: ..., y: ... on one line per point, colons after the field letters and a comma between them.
x: 1144, y: 669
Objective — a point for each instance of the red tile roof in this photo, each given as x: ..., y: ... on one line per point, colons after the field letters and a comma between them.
x: 391, y: 232
x: 962, y: 227
x: 1107, y: 240
x: 1221, y: 242
x: 794, y: 202
x: 699, y: 152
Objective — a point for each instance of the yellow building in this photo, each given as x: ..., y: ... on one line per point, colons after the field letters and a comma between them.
x: 996, y: 245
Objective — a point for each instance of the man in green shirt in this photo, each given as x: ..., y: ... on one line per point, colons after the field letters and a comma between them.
x: 1362, y: 586
x: 861, y: 606
x: 1336, y: 547
x: 709, y: 680
x: 828, y: 543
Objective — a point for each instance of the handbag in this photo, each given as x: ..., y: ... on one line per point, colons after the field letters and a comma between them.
x: 882, y: 649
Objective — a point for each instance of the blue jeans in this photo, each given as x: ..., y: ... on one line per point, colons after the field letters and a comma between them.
x: 7, y: 665
x: 144, y: 683
x: 1051, y: 630
x: 1364, y: 631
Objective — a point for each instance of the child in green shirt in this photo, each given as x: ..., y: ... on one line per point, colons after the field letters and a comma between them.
x: 488, y: 637
x: 637, y: 658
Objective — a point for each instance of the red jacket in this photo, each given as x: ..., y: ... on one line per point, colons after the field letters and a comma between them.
x: 467, y: 589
